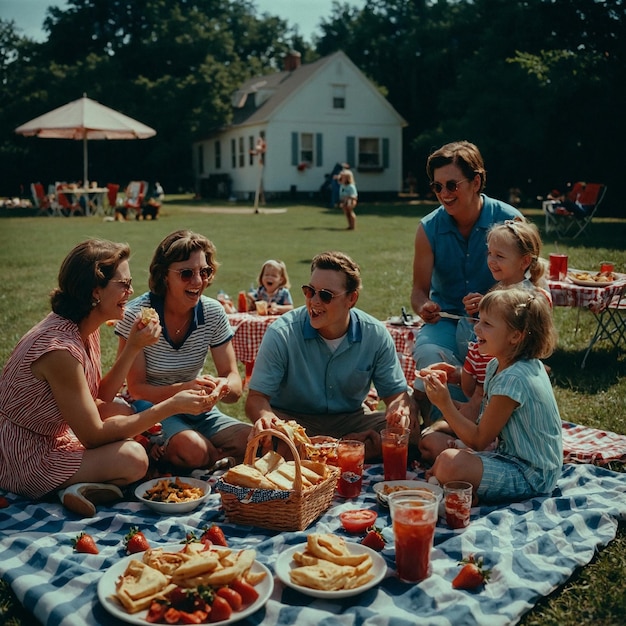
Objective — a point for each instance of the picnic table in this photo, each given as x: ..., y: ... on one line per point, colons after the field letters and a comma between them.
x: 604, y: 300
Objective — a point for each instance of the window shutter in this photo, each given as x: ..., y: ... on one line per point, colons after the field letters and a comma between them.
x: 319, y: 161
x: 350, y: 153
x: 294, y: 148
x: 385, y: 152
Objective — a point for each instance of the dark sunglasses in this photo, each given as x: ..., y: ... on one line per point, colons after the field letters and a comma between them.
x: 450, y: 185
x: 126, y: 282
x: 325, y: 296
x: 187, y: 274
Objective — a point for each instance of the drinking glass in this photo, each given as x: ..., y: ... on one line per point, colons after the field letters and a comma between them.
x: 457, y: 496
x: 395, y: 442
x: 414, y: 518
x: 350, y: 460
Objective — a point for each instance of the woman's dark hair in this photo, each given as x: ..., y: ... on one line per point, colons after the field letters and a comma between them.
x: 178, y: 246
x: 465, y: 155
x: 90, y: 264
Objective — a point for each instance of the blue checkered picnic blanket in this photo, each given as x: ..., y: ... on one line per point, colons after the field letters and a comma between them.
x: 532, y: 547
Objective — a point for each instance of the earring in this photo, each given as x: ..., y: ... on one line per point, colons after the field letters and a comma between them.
x: 95, y: 303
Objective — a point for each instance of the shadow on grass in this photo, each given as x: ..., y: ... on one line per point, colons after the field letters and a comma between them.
x: 603, y: 369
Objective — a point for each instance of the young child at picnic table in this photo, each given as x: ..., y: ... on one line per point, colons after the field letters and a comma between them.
x: 517, y: 329
x: 273, y: 288
x: 60, y: 428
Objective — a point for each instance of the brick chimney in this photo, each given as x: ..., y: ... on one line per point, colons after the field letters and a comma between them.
x: 292, y: 61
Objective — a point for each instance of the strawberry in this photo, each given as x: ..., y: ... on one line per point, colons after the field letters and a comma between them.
x: 4, y: 503
x: 135, y: 541
x: 374, y: 539
x: 472, y: 574
x: 85, y: 543
x: 214, y: 534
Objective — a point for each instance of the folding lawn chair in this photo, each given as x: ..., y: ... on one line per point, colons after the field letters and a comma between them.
x: 576, y: 212
x: 42, y: 201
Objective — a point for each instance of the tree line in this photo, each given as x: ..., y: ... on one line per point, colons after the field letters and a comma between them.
x: 536, y: 84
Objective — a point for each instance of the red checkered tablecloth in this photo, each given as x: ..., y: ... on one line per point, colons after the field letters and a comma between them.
x: 249, y: 330
x: 596, y: 299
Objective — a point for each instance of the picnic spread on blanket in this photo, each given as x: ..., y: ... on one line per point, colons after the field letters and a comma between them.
x: 531, y: 547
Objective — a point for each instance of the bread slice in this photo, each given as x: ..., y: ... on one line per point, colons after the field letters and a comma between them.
x: 247, y: 476
x: 280, y: 480
x: 268, y: 462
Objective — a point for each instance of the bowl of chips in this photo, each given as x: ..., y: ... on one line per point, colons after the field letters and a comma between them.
x: 173, y: 494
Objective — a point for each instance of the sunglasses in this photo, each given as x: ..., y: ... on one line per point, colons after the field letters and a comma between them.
x: 324, y: 295
x: 187, y: 274
x: 127, y: 283
x: 450, y: 185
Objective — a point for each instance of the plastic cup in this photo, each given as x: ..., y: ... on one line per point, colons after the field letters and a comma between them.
x: 458, y: 502
x: 414, y: 518
x: 350, y: 459
x: 261, y: 307
x: 606, y: 266
x: 558, y: 266
x: 395, y: 443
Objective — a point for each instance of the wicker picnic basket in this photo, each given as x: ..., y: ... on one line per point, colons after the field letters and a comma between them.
x: 277, y: 509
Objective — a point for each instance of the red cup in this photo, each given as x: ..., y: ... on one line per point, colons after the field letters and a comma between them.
x: 606, y: 267
x: 350, y: 459
x: 558, y: 266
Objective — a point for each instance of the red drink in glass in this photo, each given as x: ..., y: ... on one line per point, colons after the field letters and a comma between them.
x: 414, y: 521
x: 395, y: 444
x: 558, y: 266
x: 350, y: 459
x: 458, y: 502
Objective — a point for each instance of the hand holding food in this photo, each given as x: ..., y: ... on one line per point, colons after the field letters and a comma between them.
x: 147, y: 315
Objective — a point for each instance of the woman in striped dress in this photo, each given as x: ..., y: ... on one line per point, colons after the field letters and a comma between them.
x: 60, y: 429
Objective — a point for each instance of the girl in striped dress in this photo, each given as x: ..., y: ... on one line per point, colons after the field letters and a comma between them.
x: 60, y: 429
x: 517, y: 329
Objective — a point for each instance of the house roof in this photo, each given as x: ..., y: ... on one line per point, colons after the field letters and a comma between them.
x: 274, y: 89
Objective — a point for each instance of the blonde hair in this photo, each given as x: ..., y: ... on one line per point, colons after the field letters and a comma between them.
x: 281, y: 267
x: 527, y: 312
x: 347, y: 173
x: 524, y: 235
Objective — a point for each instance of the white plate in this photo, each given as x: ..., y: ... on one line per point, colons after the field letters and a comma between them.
x: 106, y: 589
x: 594, y: 283
x: 285, y: 563
x: 407, y: 484
x: 173, y: 508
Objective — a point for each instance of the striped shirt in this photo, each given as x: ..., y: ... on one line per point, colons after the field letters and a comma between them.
x: 38, y: 450
x: 167, y: 362
x: 533, y: 432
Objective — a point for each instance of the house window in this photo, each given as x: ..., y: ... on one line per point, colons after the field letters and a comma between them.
x: 369, y: 155
x: 200, y: 159
x: 242, y: 153
x: 233, y: 153
x: 218, y: 155
x: 339, y: 96
x: 306, y: 148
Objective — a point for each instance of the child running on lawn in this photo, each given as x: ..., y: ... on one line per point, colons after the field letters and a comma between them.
x: 517, y: 329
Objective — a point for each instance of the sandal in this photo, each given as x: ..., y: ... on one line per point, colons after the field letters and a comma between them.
x: 81, y: 498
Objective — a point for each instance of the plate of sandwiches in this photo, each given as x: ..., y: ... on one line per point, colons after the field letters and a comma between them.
x: 329, y: 567
x: 128, y: 588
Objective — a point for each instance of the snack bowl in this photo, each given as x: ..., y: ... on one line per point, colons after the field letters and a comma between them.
x: 173, y: 508
x: 383, y: 489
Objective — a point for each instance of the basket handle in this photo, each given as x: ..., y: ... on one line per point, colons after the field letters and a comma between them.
x: 253, y: 446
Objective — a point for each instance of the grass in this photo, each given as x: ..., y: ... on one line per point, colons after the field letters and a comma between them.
x: 31, y: 250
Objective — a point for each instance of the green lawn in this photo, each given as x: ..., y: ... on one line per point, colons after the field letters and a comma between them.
x: 31, y: 250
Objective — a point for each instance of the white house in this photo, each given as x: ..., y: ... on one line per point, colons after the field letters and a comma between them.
x: 310, y: 117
